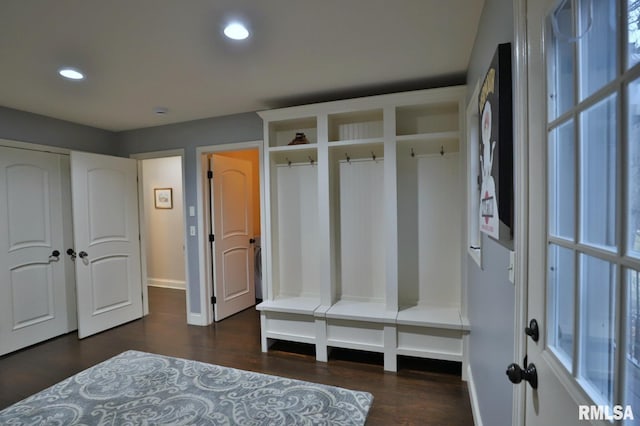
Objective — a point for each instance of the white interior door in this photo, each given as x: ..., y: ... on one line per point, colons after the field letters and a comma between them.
x: 233, y: 229
x: 584, y: 213
x: 36, y: 293
x: 105, y: 212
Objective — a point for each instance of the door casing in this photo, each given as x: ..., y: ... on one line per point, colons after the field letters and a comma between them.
x: 521, y: 195
x: 143, y: 253
x: 204, y: 251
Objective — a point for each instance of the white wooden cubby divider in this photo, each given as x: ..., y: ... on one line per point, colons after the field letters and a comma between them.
x: 363, y: 233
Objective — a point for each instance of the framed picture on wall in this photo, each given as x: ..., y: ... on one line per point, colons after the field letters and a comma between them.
x: 163, y: 198
x: 496, y: 149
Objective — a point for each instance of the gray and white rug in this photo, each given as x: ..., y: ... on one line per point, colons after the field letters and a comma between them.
x: 138, y: 388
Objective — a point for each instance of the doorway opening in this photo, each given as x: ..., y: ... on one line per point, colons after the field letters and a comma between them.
x: 162, y: 225
x: 230, y: 198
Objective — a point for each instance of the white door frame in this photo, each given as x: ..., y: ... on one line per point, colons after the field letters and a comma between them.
x: 521, y: 195
x: 143, y: 252
x: 33, y: 146
x: 204, y: 255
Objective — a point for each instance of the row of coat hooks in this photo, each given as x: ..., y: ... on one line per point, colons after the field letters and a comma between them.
x: 373, y: 156
x: 348, y: 158
x: 413, y: 154
x: 311, y: 161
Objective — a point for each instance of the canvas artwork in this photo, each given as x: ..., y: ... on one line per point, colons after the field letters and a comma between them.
x: 496, y: 149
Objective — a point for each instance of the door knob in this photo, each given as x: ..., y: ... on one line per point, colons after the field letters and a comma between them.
x: 517, y: 374
x: 82, y: 254
x: 55, y: 255
x: 533, y: 331
x: 71, y: 253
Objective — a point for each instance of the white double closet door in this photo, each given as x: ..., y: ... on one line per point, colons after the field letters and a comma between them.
x: 50, y: 203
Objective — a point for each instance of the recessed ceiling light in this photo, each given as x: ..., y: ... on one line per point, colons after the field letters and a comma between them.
x: 71, y: 73
x: 236, y: 31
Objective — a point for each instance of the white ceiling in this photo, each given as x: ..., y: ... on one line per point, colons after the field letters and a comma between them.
x: 142, y: 54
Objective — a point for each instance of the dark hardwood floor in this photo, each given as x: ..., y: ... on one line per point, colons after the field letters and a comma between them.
x: 422, y: 392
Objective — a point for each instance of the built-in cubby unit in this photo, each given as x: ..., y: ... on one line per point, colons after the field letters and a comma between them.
x: 363, y: 232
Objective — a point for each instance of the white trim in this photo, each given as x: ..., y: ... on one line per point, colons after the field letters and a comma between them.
x: 521, y: 195
x: 473, y: 398
x: 473, y: 243
x: 143, y: 246
x: 206, y: 291
x: 165, y: 283
x: 417, y: 97
x: 158, y: 154
x: 33, y: 146
x: 196, y: 319
x: 143, y: 255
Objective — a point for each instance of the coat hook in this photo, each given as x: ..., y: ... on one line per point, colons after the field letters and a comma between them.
x: 373, y: 155
x: 413, y: 154
x: 288, y: 161
x: 441, y: 150
x: 311, y: 160
x: 346, y: 155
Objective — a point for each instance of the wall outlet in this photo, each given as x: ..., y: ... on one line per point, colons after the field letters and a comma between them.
x: 192, y: 231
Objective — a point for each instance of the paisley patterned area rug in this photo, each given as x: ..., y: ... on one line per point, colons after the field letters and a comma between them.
x: 138, y: 388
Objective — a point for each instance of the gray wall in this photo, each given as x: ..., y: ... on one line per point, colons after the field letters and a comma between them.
x: 27, y: 127
x: 491, y: 297
x: 189, y: 135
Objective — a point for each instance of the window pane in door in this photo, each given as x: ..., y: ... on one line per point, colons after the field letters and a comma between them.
x: 561, y: 62
x: 599, y: 174
x: 562, y: 172
x: 633, y: 164
x: 560, y: 304
x: 632, y: 358
x: 597, y: 352
x: 633, y: 26
x: 598, y: 58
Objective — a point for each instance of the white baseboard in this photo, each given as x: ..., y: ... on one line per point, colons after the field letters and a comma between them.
x: 160, y: 282
x: 473, y: 397
x: 196, y: 319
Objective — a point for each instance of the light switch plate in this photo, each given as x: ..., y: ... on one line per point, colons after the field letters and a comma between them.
x: 192, y: 230
x: 512, y: 261
x: 192, y: 211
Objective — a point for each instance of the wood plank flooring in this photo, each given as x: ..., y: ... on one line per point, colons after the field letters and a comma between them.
x: 421, y: 393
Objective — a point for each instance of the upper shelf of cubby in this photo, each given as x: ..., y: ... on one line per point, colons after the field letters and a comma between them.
x: 283, y: 132
x: 420, y: 121
x: 356, y: 126
x: 425, y: 137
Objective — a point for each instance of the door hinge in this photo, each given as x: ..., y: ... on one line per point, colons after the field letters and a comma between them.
x: 213, y: 300
x: 212, y: 238
x: 209, y: 174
